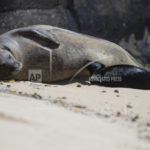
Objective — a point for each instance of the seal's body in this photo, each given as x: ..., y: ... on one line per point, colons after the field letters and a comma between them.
x: 57, y: 52
x: 119, y: 76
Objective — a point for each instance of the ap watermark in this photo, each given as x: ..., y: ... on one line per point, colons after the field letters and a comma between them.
x: 35, y: 75
x: 99, y: 78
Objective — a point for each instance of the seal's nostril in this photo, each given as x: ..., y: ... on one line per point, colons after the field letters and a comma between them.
x: 17, y: 66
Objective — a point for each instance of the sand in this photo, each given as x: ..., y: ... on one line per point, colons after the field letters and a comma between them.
x: 73, y: 116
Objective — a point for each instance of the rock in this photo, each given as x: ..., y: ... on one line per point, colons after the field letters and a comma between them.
x: 19, y: 18
x: 129, y: 106
x: 135, y: 118
x: 106, y: 19
x: 109, y: 19
x: 116, y: 91
x: 37, y: 96
x: 7, y: 5
x: 79, y: 85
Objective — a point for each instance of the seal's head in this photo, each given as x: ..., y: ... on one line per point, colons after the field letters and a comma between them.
x: 95, y: 67
x: 8, y: 64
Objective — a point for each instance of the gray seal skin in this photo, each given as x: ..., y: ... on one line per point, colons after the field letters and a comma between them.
x: 59, y: 53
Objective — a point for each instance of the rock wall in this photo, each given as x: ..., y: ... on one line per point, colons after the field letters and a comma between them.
x: 111, y: 19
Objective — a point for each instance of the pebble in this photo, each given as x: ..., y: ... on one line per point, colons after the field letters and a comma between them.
x: 118, y: 114
x: 64, y: 97
x: 129, y: 106
x: 135, y: 118
x: 37, y: 96
x: 116, y: 91
x: 148, y: 124
x: 79, y: 106
x: 8, y: 86
x: 78, y: 85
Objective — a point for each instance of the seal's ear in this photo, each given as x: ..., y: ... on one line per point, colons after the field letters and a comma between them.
x: 38, y: 37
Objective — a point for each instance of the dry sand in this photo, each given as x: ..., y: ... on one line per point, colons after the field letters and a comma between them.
x: 73, y: 116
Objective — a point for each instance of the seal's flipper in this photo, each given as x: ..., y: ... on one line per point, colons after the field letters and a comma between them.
x: 39, y: 37
x: 95, y: 67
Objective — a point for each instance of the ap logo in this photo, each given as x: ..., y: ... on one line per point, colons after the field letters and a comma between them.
x: 35, y: 75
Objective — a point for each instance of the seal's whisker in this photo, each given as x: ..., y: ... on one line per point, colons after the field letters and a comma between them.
x: 81, y: 69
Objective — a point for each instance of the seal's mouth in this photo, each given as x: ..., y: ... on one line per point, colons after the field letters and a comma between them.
x: 17, y: 67
x: 7, y: 70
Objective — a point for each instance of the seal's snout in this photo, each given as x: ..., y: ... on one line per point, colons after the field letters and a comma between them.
x: 17, y: 66
x: 8, y: 64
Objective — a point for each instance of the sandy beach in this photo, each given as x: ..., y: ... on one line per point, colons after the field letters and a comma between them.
x: 73, y: 116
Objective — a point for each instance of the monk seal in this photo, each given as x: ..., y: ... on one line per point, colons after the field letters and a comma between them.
x: 119, y: 76
x: 55, y: 53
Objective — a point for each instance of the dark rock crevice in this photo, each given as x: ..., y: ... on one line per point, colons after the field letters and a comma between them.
x: 70, y: 6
